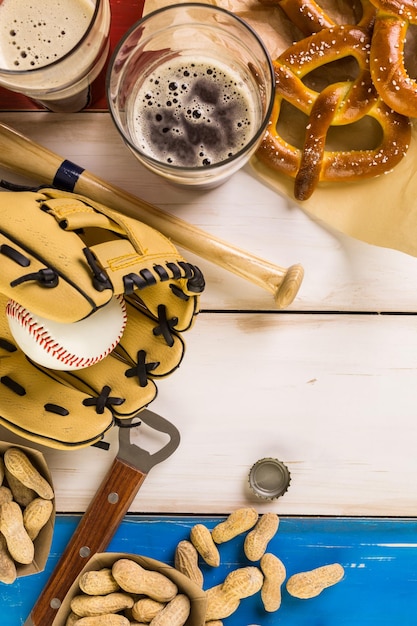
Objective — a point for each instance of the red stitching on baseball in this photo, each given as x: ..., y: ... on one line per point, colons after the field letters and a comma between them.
x: 41, y: 336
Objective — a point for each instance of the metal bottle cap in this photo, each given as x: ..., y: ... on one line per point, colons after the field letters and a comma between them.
x: 269, y: 478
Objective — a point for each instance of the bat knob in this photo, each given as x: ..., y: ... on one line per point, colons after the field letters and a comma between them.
x: 289, y: 286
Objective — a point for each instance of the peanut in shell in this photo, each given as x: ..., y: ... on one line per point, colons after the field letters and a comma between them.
x: 19, y: 464
x: 256, y: 541
x: 310, y: 584
x: 8, y: 572
x: 36, y: 515
x: 175, y: 612
x: 98, y: 582
x: 19, y: 544
x: 21, y: 494
x: 90, y: 606
x: 274, y: 573
x: 145, y: 609
x: 201, y: 538
x: 186, y: 562
x: 133, y: 578
x: 237, y: 522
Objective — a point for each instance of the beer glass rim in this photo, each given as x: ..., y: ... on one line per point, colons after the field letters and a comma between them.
x: 206, y: 7
x: 34, y: 70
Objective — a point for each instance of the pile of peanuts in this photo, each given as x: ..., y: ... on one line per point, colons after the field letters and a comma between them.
x: 25, y: 507
x: 266, y: 578
x: 129, y: 595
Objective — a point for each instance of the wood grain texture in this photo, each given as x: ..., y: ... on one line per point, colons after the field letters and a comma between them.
x: 330, y: 395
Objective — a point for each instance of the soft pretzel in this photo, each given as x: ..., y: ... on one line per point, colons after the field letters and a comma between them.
x: 310, y: 17
x: 396, y: 88
x: 338, y: 104
x: 307, y: 16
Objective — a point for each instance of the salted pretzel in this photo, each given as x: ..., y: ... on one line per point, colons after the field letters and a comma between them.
x: 337, y: 104
x: 309, y: 17
x: 392, y: 23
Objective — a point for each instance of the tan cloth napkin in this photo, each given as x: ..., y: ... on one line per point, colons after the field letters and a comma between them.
x: 380, y: 211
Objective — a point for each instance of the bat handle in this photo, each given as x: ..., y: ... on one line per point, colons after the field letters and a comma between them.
x: 28, y: 158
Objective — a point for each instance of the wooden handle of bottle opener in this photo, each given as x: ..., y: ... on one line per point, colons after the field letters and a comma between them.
x: 28, y: 158
x: 92, y: 535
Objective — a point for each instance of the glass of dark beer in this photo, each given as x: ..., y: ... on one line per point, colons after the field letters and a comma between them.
x: 52, y: 50
x: 190, y: 88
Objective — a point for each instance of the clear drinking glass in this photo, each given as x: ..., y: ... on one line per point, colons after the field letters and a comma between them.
x: 52, y: 50
x: 190, y: 88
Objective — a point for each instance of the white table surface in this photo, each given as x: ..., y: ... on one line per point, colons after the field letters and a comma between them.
x: 328, y: 385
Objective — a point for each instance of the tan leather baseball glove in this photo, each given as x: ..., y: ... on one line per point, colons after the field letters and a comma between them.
x: 64, y: 257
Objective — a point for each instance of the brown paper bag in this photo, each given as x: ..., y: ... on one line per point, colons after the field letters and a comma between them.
x: 106, y: 559
x: 43, y: 541
x: 381, y: 211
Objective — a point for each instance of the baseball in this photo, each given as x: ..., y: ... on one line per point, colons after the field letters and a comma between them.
x: 67, y: 346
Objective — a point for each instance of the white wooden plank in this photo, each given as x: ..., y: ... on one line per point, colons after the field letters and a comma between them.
x: 340, y: 273
x: 333, y: 396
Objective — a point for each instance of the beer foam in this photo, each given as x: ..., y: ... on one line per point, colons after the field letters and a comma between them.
x: 38, y: 32
x: 193, y: 113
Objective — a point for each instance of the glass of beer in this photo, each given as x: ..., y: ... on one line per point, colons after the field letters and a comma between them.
x: 52, y: 50
x: 190, y: 88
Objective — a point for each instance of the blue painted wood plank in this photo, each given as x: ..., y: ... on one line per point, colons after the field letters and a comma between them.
x: 379, y: 557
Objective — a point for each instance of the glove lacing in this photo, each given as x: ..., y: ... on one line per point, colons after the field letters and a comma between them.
x: 48, y: 277
x: 141, y: 369
x: 103, y: 400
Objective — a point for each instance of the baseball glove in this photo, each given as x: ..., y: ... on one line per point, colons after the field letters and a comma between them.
x: 63, y: 257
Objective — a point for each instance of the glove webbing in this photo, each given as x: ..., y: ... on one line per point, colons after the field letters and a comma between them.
x: 74, y: 214
x: 146, y: 277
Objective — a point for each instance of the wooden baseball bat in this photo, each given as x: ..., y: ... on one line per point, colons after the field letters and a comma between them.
x: 26, y: 157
